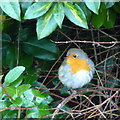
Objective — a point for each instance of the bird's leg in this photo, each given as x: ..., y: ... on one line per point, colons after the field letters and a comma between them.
x: 73, y: 92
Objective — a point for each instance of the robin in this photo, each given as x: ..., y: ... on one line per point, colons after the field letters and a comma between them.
x: 77, y: 69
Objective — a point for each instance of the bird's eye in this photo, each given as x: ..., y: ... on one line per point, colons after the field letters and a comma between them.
x: 74, y: 56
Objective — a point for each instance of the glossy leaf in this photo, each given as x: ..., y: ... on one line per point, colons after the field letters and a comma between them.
x: 28, y: 99
x: 17, y: 82
x: 30, y: 79
x: 10, y: 26
x: 116, y: 7
x: 17, y: 101
x: 86, y: 10
x: 36, y: 93
x: 27, y: 103
x: 110, y: 20
x: 37, y: 10
x: 6, y: 39
x: 25, y: 6
x: 8, y: 114
x: 29, y: 94
x: 26, y: 60
x: 48, y: 99
x: 43, y: 49
x: 109, y: 4
x: 11, y: 90
x: 98, y: 20
x: 75, y: 14
x: 11, y: 56
x: 38, y: 84
x: 39, y: 100
x: 59, y: 14
x: 4, y: 103
x: 44, y: 98
x: 93, y: 5
x: 12, y: 9
x: 13, y: 74
x: 21, y: 89
x: 46, y: 24
x: 38, y: 113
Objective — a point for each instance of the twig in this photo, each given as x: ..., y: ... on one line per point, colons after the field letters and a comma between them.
x: 52, y: 68
x: 63, y: 103
x: 94, y: 46
x: 18, y: 44
x: 107, y: 34
x: 84, y: 41
x: 107, y: 59
x: 104, y: 112
x: 97, y: 107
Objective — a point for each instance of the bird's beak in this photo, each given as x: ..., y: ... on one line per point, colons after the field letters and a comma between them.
x: 69, y: 56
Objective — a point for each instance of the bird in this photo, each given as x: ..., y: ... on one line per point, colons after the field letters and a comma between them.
x: 76, y: 70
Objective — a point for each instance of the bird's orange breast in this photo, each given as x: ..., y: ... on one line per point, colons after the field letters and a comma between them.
x: 78, y: 64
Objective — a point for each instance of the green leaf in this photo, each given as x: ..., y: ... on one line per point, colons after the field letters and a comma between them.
x: 21, y: 89
x: 98, y: 20
x: 46, y: 24
x: 43, y: 49
x: 86, y: 10
x: 26, y: 60
x: 13, y: 74
x: 36, y: 93
x: 42, y: 98
x: 29, y: 94
x: 112, y: 83
x: 27, y: 103
x: 75, y: 14
x: 24, y: 6
x: 109, y: 4
x: 11, y: 56
x: 48, y: 99
x: 12, y: 9
x: 38, y: 84
x: 116, y: 7
x: 4, y: 103
x: 17, y: 101
x: 38, y: 113
x: 11, y: 90
x: 28, y: 99
x: 17, y: 82
x: 93, y: 6
x: 39, y: 100
x: 59, y: 14
x: 6, y: 39
x: 29, y: 79
x: 37, y: 10
x: 10, y: 26
x: 110, y: 20
x: 10, y: 114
